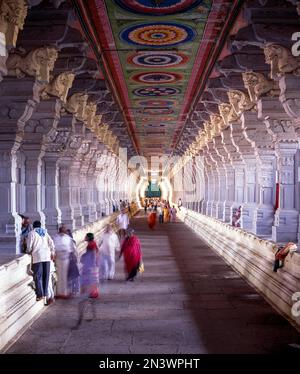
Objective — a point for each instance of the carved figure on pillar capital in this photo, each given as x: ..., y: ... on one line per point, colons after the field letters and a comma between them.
x: 89, y: 114
x: 12, y: 17
x: 258, y: 85
x: 76, y: 105
x: 227, y: 113
x: 281, y: 60
x: 38, y: 63
x: 240, y: 102
x: 59, y: 86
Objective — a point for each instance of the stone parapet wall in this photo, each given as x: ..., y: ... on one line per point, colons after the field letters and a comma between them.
x: 18, y: 307
x: 251, y: 257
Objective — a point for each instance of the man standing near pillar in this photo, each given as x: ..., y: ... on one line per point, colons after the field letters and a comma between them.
x: 41, y: 247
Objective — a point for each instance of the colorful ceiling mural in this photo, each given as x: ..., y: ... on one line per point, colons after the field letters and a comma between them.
x: 155, y: 53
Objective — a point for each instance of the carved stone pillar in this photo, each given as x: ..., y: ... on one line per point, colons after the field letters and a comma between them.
x: 282, y: 129
x: 16, y: 108
x: 39, y: 131
x: 231, y: 153
x: 239, y: 167
x: 209, y: 185
x: 290, y: 95
x: 51, y: 209
x: 256, y: 132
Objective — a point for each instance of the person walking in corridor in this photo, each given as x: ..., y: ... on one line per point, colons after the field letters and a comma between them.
x: 152, y: 219
x: 173, y: 213
x: 160, y: 214
x: 131, y: 251
x: 41, y: 247
x: 122, y: 222
x: 109, y: 245
x: 89, y: 279
x: 64, y: 246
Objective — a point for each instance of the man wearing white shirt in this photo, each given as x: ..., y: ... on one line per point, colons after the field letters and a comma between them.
x: 122, y: 222
x: 41, y: 247
x: 108, y: 247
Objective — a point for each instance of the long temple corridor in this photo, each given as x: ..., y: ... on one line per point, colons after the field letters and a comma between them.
x: 183, y: 303
x: 150, y: 110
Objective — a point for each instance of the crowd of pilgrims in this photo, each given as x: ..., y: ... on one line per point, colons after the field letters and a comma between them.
x: 154, y: 207
x: 59, y: 272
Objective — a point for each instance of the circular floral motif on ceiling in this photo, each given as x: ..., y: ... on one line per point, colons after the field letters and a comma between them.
x: 161, y: 119
x: 157, y: 111
x: 157, y: 77
x: 159, y: 103
x: 158, y: 34
x: 158, y: 59
x: 156, y: 91
x: 158, y: 7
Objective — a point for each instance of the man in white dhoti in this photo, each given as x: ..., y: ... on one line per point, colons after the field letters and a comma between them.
x: 108, y: 246
x: 122, y: 222
x: 64, y: 247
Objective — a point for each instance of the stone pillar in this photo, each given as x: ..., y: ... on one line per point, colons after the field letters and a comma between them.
x: 239, y: 167
x: 282, y: 129
x: 33, y: 181
x: 65, y: 193
x: 230, y: 151
x: 51, y: 209
x: 264, y: 214
x: 286, y: 217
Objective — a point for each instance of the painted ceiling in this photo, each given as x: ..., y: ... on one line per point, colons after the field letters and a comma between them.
x: 155, y: 53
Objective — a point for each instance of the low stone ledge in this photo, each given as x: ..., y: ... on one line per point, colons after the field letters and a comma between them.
x: 253, y: 258
x: 18, y: 306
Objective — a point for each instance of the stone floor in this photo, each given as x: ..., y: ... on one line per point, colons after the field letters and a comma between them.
x: 187, y: 301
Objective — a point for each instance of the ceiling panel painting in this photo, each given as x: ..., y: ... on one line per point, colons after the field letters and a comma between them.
x: 155, y: 54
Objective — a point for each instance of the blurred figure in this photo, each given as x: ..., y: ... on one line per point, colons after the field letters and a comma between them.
x: 108, y: 247
x: 64, y: 246
x: 166, y: 214
x: 122, y: 222
x: 89, y: 278
x: 179, y: 204
x: 173, y: 213
x: 281, y: 254
x: 131, y: 250
x: 152, y: 219
x: 25, y: 230
x: 41, y: 247
x: 160, y: 214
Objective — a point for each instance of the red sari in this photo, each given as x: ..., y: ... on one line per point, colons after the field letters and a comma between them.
x: 131, y: 250
x: 152, y: 220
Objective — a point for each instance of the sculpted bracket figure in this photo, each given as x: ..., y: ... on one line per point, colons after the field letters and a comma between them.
x: 59, y: 86
x: 258, y: 85
x: 38, y: 63
x: 281, y: 60
x: 12, y: 18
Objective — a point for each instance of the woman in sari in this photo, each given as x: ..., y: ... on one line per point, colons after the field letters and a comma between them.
x: 89, y: 278
x: 166, y: 214
x: 131, y: 250
x: 152, y: 220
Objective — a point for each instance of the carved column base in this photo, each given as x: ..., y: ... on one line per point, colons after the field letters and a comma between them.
x: 67, y: 217
x: 217, y: 210
x: 78, y: 218
x: 3, y: 69
x: 263, y: 220
x: 52, y: 220
x: 227, y: 217
x: 247, y: 216
x: 285, y: 227
x: 10, y: 234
